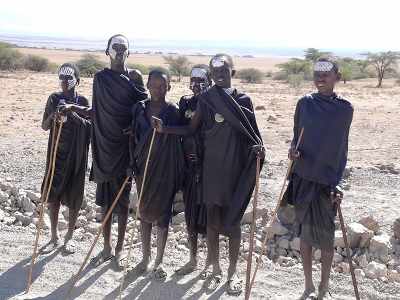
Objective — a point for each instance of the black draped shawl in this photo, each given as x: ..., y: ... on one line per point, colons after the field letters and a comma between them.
x: 326, y: 122
x: 113, y: 98
x: 165, y: 171
x: 229, y: 165
x: 72, y: 153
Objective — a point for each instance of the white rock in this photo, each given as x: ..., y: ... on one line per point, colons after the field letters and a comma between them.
x: 362, y: 261
x: 33, y: 196
x: 317, y: 254
x: 283, y: 243
x: 370, y: 223
x: 9, y: 220
x: 3, y: 197
x: 6, y: 186
x: 375, y: 270
x: 25, y: 220
x: 359, y: 273
x: 257, y: 246
x: 295, y: 244
x: 337, y: 258
x: 344, y: 267
x: 91, y: 214
x: 81, y: 222
x: 394, y: 276
x: 380, y: 247
x: 92, y: 227
x: 27, y: 204
x: 339, y: 241
x: 277, y: 228
x: 396, y: 228
x: 282, y: 252
x: 358, y: 235
x: 286, y: 261
x: 2, y: 215
x: 178, y: 219
x: 62, y: 224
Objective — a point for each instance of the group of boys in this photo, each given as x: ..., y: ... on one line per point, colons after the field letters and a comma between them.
x: 207, y: 146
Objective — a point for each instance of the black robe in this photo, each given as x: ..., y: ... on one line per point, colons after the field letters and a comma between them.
x: 195, y: 208
x: 165, y: 171
x: 229, y: 165
x: 113, y: 98
x: 72, y: 154
x: 326, y: 122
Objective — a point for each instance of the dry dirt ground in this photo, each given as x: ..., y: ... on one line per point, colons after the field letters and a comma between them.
x: 372, y: 188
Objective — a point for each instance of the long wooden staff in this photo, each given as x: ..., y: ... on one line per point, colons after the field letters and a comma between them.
x: 137, y: 212
x: 264, y: 244
x: 253, y: 227
x: 46, y: 191
x: 353, y: 276
x: 103, y: 224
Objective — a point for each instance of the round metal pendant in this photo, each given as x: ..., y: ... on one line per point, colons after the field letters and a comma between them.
x: 219, y: 118
x: 189, y: 114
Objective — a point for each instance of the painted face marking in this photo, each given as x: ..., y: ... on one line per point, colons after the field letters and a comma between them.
x: 68, y: 71
x: 323, y: 66
x: 218, y: 62
x: 118, y: 40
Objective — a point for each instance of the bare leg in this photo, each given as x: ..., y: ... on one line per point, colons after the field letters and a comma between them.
x: 326, y: 262
x: 73, y: 215
x: 107, y: 235
x: 192, y: 264
x: 146, y: 245
x: 122, y: 222
x: 162, y: 235
x: 306, y: 254
x: 235, y: 285
x: 213, y: 249
x: 54, y: 208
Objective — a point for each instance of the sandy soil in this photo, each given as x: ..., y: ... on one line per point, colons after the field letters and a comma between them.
x: 373, y: 188
x: 62, y: 56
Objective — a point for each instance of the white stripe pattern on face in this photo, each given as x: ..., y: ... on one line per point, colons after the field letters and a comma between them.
x: 68, y: 71
x: 323, y: 66
x: 121, y: 41
x: 199, y: 73
x: 218, y: 62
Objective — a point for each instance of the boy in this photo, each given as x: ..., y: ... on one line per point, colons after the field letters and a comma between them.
x: 320, y: 162
x: 72, y: 153
x: 164, y: 173
x: 231, y: 142
x: 195, y: 209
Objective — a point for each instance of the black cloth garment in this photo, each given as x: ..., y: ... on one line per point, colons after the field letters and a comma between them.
x: 195, y: 208
x: 228, y: 130
x: 326, y: 122
x: 72, y: 153
x: 113, y: 98
x: 165, y: 169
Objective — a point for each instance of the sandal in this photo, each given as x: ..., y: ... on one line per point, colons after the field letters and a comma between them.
x: 215, y: 281
x: 308, y: 294
x: 235, y: 286
x: 159, y: 274
x: 99, y: 259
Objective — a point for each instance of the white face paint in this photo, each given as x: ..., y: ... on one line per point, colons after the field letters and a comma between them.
x: 120, y: 40
x: 218, y: 62
x: 68, y: 71
x: 323, y: 66
x: 199, y: 73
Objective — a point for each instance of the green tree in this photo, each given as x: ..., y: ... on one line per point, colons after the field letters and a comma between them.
x: 250, y: 75
x: 89, y: 65
x: 296, y: 66
x: 312, y: 54
x: 383, y: 62
x: 179, y: 66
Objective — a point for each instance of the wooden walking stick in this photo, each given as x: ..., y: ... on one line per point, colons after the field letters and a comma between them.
x: 253, y: 227
x: 46, y: 191
x: 108, y: 215
x: 353, y: 276
x: 278, y: 204
x: 137, y: 213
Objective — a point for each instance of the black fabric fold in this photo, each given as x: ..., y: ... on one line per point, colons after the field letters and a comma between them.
x: 113, y: 98
x: 326, y: 122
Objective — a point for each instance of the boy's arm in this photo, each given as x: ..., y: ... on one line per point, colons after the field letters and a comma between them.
x: 190, y: 129
x: 293, y: 154
x: 48, y: 115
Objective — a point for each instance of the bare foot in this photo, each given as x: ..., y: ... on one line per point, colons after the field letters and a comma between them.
x: 143, y: 266
x: 101, y: 258
x: 234, y: 285
x: 187, y: 268
x: 309, y: 293
x: 69, y: 246
x: 50, y: 246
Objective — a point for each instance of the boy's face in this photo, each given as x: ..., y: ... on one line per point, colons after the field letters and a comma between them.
x: 221, y: 72
x: 68, y: 81
x: 158, y: 87
x: 325, y: 81
x: 118, y: 49
x: 198, y: 84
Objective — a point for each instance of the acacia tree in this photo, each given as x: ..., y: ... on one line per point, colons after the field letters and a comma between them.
x: 178, y: 66
x: 312, y: 54
x: 382, y: 62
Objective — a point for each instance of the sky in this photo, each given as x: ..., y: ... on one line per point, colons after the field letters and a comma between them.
x: 351, y: 24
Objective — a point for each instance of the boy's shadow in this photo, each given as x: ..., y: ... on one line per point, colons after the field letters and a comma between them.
x: 13, y: 281
x: 61, y: 291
